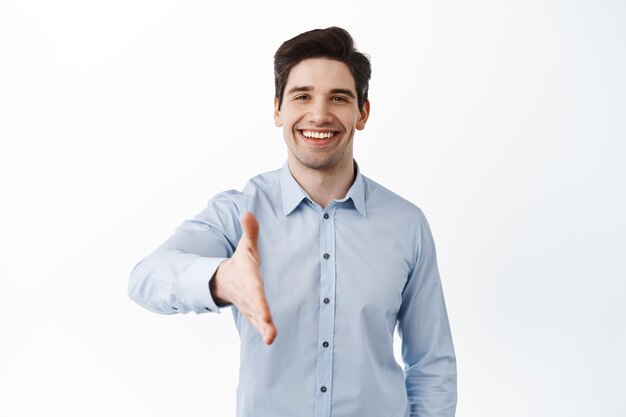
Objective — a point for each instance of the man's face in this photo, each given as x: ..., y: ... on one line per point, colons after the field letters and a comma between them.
x: 319, y: 114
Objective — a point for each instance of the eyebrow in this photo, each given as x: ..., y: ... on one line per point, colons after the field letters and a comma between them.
x: 300, y: 89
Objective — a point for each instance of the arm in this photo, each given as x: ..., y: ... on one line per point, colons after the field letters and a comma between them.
x: 427, y: 349
x: 211, y: 259
x: 175, y: 278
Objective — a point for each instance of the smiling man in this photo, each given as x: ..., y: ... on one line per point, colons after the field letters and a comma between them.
x: 318, y: 263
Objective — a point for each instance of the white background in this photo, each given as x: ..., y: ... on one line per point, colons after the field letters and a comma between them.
x: 503, y: 120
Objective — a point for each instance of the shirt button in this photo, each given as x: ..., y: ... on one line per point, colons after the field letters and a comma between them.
x: 326, y: 300
x: 323, y: 389
x: 326, y: 256
x: 325, y: 215
x: 325, y: 344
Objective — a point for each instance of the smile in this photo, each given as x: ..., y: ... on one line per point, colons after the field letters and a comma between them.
x: 317, y: 135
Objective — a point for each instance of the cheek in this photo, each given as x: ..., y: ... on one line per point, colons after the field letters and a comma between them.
x: 288, y: 132
x: 349, y: 119
x: 289, y: 121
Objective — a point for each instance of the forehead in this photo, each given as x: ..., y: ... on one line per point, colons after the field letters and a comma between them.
x: 321, y: 74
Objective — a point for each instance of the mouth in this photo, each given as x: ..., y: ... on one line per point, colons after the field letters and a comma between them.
x: 319, y: 137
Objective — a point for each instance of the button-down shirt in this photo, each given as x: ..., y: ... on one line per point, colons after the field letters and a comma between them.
x: 339, y: 280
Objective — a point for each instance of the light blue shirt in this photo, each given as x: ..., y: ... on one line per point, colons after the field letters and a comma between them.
x: 338, y: 281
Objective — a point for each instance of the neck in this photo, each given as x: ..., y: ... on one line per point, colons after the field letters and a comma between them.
x: 323, y: 186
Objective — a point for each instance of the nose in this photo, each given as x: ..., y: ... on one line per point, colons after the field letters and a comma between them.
x: 319, y: 113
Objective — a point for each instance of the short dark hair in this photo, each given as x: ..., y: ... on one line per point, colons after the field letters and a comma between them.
x: 333, y: 43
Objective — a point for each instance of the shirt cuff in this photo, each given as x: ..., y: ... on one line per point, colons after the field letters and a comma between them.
x: 194, y: 285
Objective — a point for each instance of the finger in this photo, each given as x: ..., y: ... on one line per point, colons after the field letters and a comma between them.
x: 267, y: 331
x: 264, y: 318
x: 250, y: 227
x: 270, y: 334
x: 254, y: 320
x: 262, y: 307
x: 250, y: 310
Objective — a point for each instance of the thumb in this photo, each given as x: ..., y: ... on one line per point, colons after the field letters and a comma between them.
x: 250, y: 227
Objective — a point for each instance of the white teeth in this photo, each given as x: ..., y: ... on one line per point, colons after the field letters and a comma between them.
x: 317, y: 135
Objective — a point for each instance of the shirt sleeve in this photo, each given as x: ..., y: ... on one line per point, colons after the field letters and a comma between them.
x: 427, y: 349
x: 175, y: 277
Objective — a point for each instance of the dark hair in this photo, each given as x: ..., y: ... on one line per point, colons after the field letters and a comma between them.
x: 333, y: 43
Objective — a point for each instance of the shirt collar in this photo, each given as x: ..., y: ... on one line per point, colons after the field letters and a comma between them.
x: 293, y: 194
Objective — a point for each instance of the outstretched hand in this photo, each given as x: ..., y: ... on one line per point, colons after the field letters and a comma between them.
x: 238, y: 281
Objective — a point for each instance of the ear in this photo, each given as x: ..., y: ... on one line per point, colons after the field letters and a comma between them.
x: 278, y: 121
x: 363, y: 115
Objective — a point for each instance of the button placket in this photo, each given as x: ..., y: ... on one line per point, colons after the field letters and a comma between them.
x: 326, y: 313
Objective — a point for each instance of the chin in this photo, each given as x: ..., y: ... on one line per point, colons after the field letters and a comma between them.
x: 322, y: 164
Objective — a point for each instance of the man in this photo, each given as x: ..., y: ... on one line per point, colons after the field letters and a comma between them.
x: 318, y: 263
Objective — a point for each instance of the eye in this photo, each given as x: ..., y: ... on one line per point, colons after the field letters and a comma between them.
x: 339, y: 98
x: 301, y: 97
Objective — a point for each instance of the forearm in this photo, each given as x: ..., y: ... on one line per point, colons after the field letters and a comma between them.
x: 432, y: 387
x: 428, y: 352
x: 176, y: 277
x: 171, y: 281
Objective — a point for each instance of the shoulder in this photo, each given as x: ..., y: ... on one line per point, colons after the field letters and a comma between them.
x: 264, y: 182
x: 224, y: 210
x: 241, y: 201
x: 401, y: 217
x: 380, y: 199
